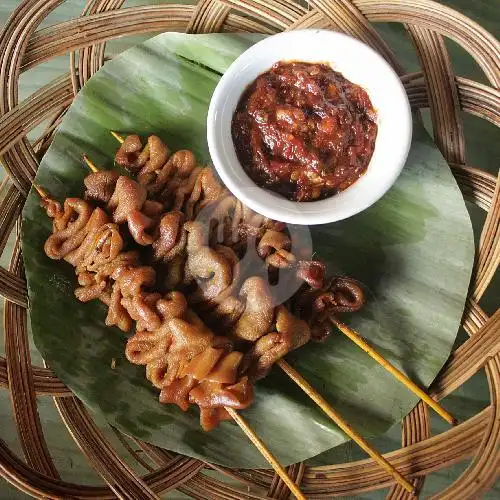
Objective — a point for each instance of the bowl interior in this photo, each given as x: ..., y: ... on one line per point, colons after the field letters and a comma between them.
x: 358, y: 63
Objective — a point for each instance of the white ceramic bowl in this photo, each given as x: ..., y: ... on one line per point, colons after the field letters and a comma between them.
x: 358, y: 63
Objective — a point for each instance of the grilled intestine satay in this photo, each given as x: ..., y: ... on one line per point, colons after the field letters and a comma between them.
x: 316, y: 306
x: 187, y: 340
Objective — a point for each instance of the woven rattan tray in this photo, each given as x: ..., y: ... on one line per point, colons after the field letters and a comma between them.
x: 23, y: 46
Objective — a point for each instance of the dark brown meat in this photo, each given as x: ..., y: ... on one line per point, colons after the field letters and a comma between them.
x: 258, y: 316
x: 170, y: 234
x: 128, y: 197
x: 100, y: 185
x: 71, y: 229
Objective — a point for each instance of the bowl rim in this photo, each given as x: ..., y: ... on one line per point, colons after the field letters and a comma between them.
x: 269, y: 203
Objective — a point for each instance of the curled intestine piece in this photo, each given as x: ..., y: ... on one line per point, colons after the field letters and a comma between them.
x: 342, y: 295
x: 96, y: 221
x: 175, y: 273
x: 178, y: 392
x: 100, y: 185
x: 274, y: 247
x: 100, y: 248
x: 291, y: 333
x: 211, y: 271
x: 140, y: 305
x: 258, y: 315
x: 157, y: 155
x: 226, y: 313
x: 128, y: 196
x: 311, y: 272
x: 117, y: 314
x: 151, y: 348
x: 170, y: 231
x: 152, y: 209
x: 138, y: 225
x: 142, y: 309
x: 180, y: 189
x: 212, y: 395
x: 53, y: 209
x: 207, y: 190
x: 180, y: 164
x: 272, y: 241
x: 129, y: 204
x: 230, y: 259
x: 69, y: 229
x: 129, y: 155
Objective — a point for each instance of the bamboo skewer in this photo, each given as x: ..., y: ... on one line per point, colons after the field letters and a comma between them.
x: 90, y: 164
x: 242, y: 423
x: 340, y: 422
x: 399, y: 375
x: 265, y: 452
x: 40, y: 191
x: 118, y: 137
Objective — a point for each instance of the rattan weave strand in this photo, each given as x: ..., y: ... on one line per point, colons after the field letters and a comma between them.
x: 23, y: 46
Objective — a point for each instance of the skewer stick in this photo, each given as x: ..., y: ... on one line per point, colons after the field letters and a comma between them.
x: 335, y: 417
x: 265, y: 452
x: 90, y: 164
x: 117, y: 136
x: 43, y: 194
x: 358, y: 340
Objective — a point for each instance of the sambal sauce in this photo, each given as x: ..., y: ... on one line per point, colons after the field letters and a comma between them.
x: 304, y: 131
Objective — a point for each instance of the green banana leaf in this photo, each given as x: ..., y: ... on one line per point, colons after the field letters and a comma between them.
x: 413, y: 250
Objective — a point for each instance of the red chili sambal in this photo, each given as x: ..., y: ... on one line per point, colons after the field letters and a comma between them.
x: 304, y: 131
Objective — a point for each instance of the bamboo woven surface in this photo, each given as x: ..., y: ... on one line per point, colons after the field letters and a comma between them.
x: 24, y: 45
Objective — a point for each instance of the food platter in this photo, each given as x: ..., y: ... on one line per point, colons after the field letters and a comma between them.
x: 398, y: 249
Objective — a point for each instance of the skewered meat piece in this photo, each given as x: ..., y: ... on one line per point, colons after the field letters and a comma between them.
x: 97, y: 252
x: 133, y: 157
x: 140, y: 304
x: 127, y: 200
x: 172, y: 237
x: 100, y: 186
x: 181, y: 163
x: 206, y: 190
x: 127, y: 197
x: 311, y: 272
x: 340, y: 295
x: 53, y: 209
x: 258, y: 315
x: 209, y: 268
x: 70, y: 227
x: 291, y: 333
x: 175, y: 276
